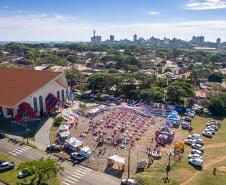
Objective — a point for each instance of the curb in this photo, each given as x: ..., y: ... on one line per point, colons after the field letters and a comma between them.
x: 3, y: 182
x: 66, y: 159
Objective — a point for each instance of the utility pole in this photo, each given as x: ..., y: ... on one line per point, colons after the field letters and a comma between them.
x: 129, y: 164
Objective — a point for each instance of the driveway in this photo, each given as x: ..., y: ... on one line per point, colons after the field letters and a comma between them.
x: 42, y: 136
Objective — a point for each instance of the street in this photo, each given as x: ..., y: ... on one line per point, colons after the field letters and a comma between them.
x: 71, y: 175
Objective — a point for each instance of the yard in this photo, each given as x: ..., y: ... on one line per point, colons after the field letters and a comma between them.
x: 10, y: 177
x: 183, y: 173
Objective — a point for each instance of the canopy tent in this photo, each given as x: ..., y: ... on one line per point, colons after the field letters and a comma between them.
x: 173, y: 116
x: 52, y: 102
x: 74, y: 143
x: 63, y: 128
x: 117, y: 159
x: 25, y: 111
x: 64, y: 135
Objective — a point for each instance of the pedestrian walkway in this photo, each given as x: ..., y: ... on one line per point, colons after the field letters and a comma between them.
x: 19, y: 150
x: 73, y: 177
x: 42, y: 136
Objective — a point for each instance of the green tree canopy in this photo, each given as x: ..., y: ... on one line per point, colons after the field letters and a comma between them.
x: 41, y: 169
x: 216, y: 77
x: 217, y: 104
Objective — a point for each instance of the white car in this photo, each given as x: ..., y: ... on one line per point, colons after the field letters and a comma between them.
x: 210, y: 130
x: 194, y: 140
x: 213, y: 127
x: 194, y: 151
x: 196, y: 136
x: 194, y: 156
x: 207, y: 134
x: 198, y: 147
x: 196, y: 161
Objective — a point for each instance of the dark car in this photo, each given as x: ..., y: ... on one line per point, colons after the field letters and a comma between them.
x: 185, y: 126
x: 7, y: 165
x: 23, y: 174
x: 53, y: 148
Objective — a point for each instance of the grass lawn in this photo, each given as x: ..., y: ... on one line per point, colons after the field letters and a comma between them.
x: 10, y: 177
x: 180, y: 172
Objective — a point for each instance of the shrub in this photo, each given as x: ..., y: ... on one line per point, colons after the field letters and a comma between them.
x: 58, y: 121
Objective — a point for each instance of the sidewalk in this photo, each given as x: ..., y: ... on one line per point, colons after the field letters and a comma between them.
x: 42, y: 136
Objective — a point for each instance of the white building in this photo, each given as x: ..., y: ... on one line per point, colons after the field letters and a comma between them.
x: 29, y: 93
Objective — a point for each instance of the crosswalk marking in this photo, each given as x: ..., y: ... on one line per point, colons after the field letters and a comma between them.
x: 72, y: 178
x: 80, y: 171
x: 75, y: 175
x: 68, y: 180
x: 19, y: 150
x: 12, y: 153
x: 66, y: 183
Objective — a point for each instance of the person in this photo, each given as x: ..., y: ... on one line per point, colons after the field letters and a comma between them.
x: 214, y: 170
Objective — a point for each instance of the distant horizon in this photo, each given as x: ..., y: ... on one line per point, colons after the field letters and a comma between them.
x: 70, y: 20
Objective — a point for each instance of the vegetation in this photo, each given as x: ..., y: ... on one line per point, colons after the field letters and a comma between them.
x: 41, y: 169
x: 217, y: 104
x: 10, y: 177
x: 58, y: 121
x: 216, y: 77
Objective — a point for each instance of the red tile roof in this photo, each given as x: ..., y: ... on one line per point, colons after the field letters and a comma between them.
x: 17, y: 84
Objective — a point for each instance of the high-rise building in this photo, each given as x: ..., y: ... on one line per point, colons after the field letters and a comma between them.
x: 95, y: 39
x: 112, y: 38
x: 218, y: 41
x: 198, y: 40
x: 135, y: 38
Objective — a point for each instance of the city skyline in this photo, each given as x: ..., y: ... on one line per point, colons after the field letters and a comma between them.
x: 74, y: 21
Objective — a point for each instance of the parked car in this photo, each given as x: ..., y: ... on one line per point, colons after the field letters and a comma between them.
x: 187, y: 118
x: 128, y: 182
x: 197, y: 146
x: 196, y: 162
x: 212, y: 131
x: 194, y: 156
x: 53, y: 148
x: 23, y: 174
x: 207, y: 134
x: 76, y: 156
x: 196, y: 136
x: 194, y: 151
x: 193, y: 140
x: 7, y: 165
x: 213, y: 127
x: 185, y: 126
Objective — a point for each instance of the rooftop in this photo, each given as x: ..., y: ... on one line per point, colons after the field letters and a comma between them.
x: 17, y: 84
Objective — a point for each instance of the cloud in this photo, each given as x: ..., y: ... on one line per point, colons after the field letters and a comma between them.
x: 206, y: 4
x: 154, y: 13
x: 45, y: 27
x: 5, y: 7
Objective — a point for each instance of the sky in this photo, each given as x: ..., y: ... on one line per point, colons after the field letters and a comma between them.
x: 75, y: 20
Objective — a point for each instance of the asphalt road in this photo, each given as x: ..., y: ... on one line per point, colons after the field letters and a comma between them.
x: 72, y: 175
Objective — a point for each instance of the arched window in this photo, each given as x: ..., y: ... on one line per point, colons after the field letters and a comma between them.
x: 35, y: 104
x: 62, y: 94
x: 41, y: 104
x: 58, y: 95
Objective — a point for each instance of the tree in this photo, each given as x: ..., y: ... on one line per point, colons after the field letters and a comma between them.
x: 216, y: 77
x: 175, y: 94
x: 41, y: 169
x: 217, y: 104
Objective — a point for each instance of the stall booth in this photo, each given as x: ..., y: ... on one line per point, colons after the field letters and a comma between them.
x: 116, y: 162
x: 74, y: 144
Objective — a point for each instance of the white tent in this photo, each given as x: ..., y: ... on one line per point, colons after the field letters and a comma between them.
x: 117, y: 159
x: 74, y: 143
x: 63, y: 128
x: 64, y: 135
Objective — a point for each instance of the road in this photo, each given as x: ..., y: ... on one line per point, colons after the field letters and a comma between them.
x: 72, y: 175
